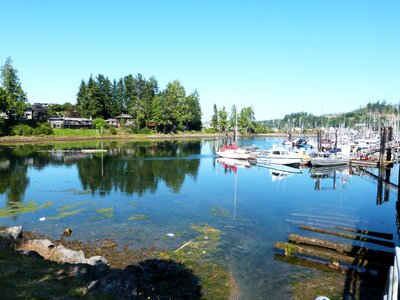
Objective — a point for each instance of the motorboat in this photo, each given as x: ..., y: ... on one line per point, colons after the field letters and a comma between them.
x: 278, y: 155
x: 323, y: 159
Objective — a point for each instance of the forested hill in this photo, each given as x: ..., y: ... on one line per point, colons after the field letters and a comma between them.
x: 372, y: 114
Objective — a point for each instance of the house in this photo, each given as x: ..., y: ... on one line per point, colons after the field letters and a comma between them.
x: 28, y: 114
x: 124, y: 119
x: 112, y: 122
x: 74, y: 123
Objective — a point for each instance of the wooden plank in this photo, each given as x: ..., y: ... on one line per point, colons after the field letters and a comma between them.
x: 383, y: 235
x: 349, y: 236
x: 351, y: 250
x: 291, y: 249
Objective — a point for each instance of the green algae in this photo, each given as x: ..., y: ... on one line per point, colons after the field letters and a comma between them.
x: 67, y: 207
x: 107, y: 212
x: 196, y: 254
x: 104, y: 210
x: 138, y: 217
x: 219, y: 212
x: 67, y: 214
x: 16, y: 208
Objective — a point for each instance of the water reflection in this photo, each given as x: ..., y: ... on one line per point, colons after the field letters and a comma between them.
x: 132, y: 168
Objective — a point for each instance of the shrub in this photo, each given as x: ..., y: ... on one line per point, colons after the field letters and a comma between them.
x: 113, y: 131
x: 22, y: 129
x: 210, y: 130
x: 146, y: 130
x: 44, y: 129
x: 99, y: 122
x: 3, y: 127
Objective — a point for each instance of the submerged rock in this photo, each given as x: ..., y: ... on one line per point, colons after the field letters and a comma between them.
x: 67, y: 232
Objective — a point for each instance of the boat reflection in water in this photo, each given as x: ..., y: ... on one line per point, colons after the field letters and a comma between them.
x: 279, y: 172
x: 330, y: 172
x: 233, y: 164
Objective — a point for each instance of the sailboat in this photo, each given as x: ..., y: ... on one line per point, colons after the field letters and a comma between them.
x: 232, y: 151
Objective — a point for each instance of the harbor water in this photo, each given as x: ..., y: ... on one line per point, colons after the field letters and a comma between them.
x: 151, y: 193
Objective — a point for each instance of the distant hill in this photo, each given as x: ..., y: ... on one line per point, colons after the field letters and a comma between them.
x: 373, y: 114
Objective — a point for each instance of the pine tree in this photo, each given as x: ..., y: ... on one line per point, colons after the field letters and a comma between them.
x: 15, y: 96
x: 214, y: 118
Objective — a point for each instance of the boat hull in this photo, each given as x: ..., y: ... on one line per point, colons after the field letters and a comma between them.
x: 233, y: 154
x: 326, y: 162
x: 278, y: 160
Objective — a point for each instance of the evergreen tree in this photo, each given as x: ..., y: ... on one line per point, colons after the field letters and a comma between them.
x: 232, y: 118
x: 3, y: 100
x: 222, y: 119
x: 105, y: 96
x: 214, y: 118
x: 95, y: 106
x: 82, y: 97
x: 15, y: 96
x: 193, y: 102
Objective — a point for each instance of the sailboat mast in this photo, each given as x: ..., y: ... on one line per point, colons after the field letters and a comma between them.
x: 235, y: 135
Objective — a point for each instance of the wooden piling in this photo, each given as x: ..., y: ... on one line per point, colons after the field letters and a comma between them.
x: 382, y: 146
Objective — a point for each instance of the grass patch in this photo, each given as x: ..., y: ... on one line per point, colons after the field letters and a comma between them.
x: 30, y: 278
x: 75, y: 132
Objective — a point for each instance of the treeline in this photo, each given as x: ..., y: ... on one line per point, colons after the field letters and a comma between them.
x: 245, y: 121
x: 170, y: 109
x: 374, y: 114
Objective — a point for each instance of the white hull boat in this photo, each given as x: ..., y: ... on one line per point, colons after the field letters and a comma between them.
x: 233, y: 153
x: 279, y: 156
x: 328, y: 159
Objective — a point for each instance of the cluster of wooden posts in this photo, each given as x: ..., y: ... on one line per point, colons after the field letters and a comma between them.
x: 319, y: 248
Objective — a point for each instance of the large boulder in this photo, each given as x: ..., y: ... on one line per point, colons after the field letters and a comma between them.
x: 70, y: 256
x: 13, y: 233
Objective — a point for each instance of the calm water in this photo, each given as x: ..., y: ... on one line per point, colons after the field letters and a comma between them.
x: 177, y: 184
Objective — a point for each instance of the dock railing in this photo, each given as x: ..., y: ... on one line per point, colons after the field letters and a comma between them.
x: 392, y: 284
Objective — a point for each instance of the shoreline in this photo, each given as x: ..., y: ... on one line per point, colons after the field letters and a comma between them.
x: 133, y: 137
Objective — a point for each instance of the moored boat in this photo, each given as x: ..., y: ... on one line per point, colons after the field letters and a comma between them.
x: 279, y: 156
x: 323, y: 159
x: 233, y: 152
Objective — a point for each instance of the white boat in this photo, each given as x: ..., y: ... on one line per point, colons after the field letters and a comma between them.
x: 324, y: 159
x: 233, y: 152
x: 278, y: 155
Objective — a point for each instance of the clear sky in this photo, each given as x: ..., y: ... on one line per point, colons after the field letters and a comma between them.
x: 278, y: 56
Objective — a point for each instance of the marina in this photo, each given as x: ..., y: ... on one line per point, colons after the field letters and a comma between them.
x: 150, y: 194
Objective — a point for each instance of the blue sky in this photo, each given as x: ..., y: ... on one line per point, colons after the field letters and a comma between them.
x: 278, y: 56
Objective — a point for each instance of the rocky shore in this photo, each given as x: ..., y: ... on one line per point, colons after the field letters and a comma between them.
x: 148, y: 279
